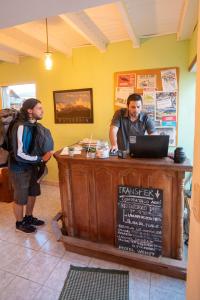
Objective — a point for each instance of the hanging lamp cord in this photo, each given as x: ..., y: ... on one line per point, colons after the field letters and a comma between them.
x: 47, y: 35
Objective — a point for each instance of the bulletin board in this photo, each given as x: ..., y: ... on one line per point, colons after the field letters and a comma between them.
x: 159, y: 91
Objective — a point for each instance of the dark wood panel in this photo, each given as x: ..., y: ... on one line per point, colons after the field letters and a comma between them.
x: 81, y: 198
x: 130, y: 176
x: 105, y: 203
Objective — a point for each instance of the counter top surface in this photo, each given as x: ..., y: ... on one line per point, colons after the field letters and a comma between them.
x: 158, y: 162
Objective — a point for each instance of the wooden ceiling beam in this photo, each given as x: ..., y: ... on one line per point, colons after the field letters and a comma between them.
x: 87, y: 28
x: 188, y: 19
x: 39, y: 35
x: 18, y: 45
x: 123, y: 7
x: 10, y: 58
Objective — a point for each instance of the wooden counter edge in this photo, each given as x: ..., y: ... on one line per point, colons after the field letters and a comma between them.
x: 166, y: 163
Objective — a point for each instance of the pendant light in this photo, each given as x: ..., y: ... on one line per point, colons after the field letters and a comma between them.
x: 48, y: 55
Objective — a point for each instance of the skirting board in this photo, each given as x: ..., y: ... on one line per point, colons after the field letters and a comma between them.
x: 161, y: 265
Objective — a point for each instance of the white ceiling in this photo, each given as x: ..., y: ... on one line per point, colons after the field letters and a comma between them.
x: 22, y: 11
x: 73, y: 24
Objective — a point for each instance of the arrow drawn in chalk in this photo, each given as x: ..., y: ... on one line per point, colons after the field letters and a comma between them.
x: 157, y: 194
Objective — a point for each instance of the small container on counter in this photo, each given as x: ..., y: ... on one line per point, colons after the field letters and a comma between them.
x: 179, y: 155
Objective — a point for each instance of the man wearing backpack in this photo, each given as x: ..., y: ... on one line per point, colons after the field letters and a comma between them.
x: 23, y: 164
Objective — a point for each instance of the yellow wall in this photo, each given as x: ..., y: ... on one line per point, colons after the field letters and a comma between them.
x: 88, y: 68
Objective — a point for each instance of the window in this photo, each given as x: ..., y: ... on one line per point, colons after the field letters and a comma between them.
x: 13, y: 96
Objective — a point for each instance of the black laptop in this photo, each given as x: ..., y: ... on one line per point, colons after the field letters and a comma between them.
x: 149, y: 146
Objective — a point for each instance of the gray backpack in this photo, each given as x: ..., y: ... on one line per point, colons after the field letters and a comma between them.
x: 7, y: 118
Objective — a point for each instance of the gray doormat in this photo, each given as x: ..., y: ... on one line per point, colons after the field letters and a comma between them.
x: 95, y: 284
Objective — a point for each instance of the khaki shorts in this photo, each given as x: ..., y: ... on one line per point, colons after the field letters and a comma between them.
x: 25, y: 184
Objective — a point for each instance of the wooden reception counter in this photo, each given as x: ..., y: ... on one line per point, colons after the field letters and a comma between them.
x: 89, y: 192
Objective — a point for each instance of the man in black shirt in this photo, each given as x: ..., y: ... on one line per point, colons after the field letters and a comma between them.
x: 130, y: 121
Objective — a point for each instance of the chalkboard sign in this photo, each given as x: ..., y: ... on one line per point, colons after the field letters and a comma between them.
x: 139, y: 226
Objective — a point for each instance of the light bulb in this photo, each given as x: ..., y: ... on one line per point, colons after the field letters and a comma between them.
x: 48, y: 61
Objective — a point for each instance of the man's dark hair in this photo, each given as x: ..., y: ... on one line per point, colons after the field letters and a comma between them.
x: 134, y: 97
x: 28, y: 104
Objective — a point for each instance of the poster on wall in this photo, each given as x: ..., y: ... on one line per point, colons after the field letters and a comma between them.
x: 121, y: 95
x: 165, y: 105
x: 149, y: 103
x: 169, y: 121
x: 126, y: 80
x: 73, y: 106
x: 171, y: 131
x: 146, y: 81
x: 149, y: 98
x: 169, y: 80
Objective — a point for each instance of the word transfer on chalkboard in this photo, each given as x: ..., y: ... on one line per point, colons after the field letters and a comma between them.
x: 139, y: 226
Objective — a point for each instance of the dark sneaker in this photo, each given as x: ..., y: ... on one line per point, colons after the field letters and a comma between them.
x: 30, y: 220
x: 22, y: 226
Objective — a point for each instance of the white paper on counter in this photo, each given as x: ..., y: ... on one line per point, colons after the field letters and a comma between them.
x: 65, y: 151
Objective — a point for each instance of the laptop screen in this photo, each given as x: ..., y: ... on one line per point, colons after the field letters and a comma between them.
x: 149, y: 146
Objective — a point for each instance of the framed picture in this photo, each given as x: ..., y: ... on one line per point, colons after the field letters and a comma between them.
x: 73, y: 106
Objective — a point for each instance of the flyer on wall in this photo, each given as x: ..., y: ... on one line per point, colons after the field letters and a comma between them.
x: 171, y: 131
x: 149, y: 97
x: 169, y: 80
x: 149, y: 103
x: 146, y: 81
x: 165, y: 104
x: 126, y: 80
x: 121, y: 95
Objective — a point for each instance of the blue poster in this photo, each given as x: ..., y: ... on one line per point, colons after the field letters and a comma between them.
x: 169, y: 123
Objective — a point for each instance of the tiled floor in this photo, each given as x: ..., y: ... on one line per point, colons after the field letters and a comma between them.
x: 35, y: 266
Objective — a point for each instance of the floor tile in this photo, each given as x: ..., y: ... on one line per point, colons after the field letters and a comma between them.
x: 143, y: 276
x: 53, y: 247
x: 46, y: 293
x: 14, y: 257
x: 5, y: 279
x: 137, y: 274
x: 168, y: 283
x: 76, y: 258
x: 37, y: 240
x: 140, y: 290
x: 20, y: 289
x: 39, y: 267
x: 58, y: 276
x: 163, y: 294
x: 33, y: 241
x: 3, y: 230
